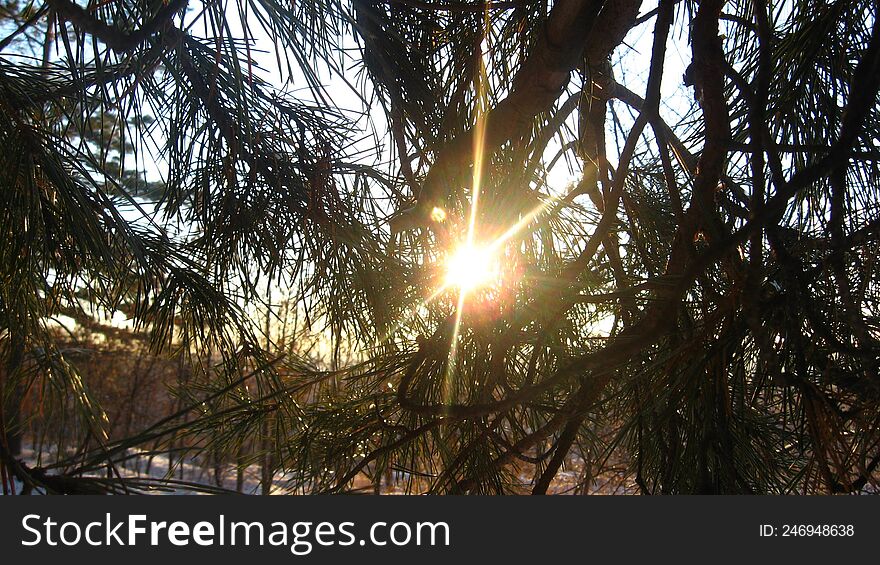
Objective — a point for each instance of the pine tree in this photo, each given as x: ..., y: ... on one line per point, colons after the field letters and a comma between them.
x: 517, y: 251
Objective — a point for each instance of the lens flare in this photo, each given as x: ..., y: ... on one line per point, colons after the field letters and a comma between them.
x: 471, y: 267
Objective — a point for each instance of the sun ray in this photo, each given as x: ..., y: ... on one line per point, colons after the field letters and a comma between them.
x: 479, y: 148
x: 521, y: 224
x: 452, y: 280
x: 481, y: 86
x: 473, y: 256
x: 453, y: 348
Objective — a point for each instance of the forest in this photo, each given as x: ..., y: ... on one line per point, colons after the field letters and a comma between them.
x: 439, y: 247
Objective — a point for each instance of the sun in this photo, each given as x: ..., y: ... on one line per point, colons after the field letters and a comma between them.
x: 471, y: 267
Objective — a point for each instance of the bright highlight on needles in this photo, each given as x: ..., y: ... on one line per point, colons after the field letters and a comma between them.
x: 472, y: 267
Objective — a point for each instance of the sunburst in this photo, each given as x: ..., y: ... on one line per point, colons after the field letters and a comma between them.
x: 473, y: 265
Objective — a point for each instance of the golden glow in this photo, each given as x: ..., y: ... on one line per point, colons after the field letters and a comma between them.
x: 472, y: 267
x: 469, y: 267
x: 521, y: 224
x: 476, y: 263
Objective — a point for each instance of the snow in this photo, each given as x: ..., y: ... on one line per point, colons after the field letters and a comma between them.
x: 156, y: 469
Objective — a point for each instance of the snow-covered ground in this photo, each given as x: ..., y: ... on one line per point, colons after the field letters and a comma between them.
x: 156, y: 469
x: 157, y: 472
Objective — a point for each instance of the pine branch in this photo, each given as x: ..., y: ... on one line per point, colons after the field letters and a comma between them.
x: 118, y: 40
x: 537, y: 84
